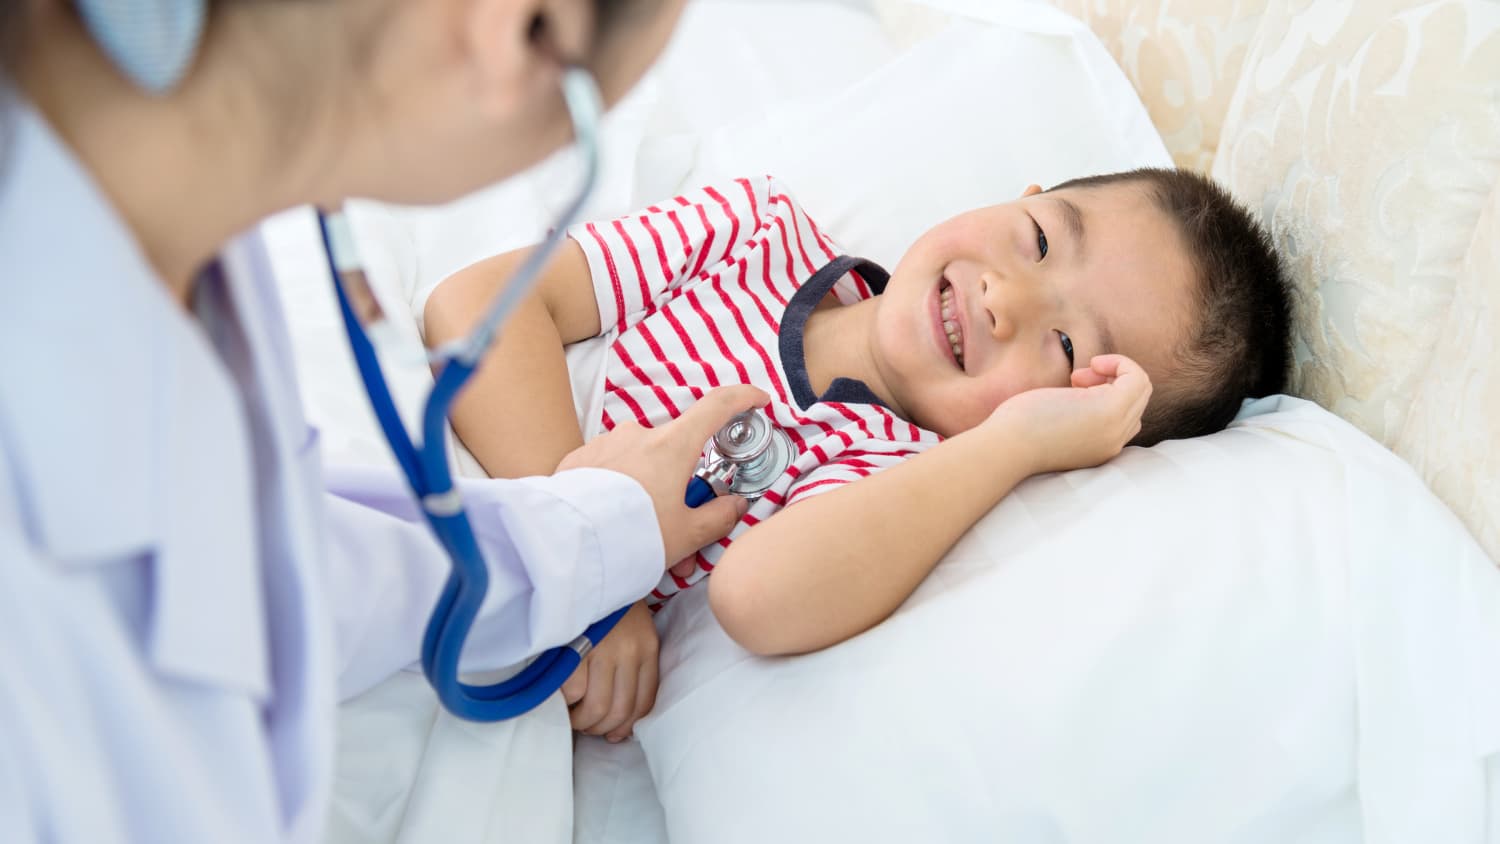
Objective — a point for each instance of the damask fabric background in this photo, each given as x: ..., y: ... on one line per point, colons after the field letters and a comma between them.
x: 1368, y: 135
x: 1184, y: 58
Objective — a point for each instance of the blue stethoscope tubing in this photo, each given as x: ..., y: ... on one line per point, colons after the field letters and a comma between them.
x: 428, y: 473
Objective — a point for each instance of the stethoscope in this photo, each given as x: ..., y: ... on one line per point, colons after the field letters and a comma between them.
x: 745, y: 457
x: 153, y: 43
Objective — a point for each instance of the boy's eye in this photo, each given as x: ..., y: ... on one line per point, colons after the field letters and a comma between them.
x: 1041, y: 239
x: 1067, y: 346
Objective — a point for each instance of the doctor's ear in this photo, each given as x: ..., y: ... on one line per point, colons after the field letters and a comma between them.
x: 519, y: 47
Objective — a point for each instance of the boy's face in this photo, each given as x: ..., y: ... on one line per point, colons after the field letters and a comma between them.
x: 987, y: 304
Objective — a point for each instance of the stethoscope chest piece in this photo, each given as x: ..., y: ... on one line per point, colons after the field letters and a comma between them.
x: 746, y: 456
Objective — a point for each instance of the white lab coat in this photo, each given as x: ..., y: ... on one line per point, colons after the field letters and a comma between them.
x: 181, y: 603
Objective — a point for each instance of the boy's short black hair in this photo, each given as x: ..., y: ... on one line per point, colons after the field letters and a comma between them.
x: 1240, y: 345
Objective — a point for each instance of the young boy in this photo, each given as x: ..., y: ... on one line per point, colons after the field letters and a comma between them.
x: 1010, y: 341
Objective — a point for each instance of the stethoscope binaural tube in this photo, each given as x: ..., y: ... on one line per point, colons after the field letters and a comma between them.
x: 426, y: 466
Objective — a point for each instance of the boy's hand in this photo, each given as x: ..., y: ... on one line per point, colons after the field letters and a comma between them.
x: 662, y: 461
x: 1083, y: 425
x: 615, y: 685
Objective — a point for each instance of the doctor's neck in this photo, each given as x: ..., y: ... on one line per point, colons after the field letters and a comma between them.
x: 189, y: 170
x: 291, y: 102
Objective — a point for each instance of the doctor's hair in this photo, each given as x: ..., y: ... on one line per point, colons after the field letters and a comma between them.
x: 12, y: 25
x: 1238, y: 345
x: 13, y: 17
x: 611, y: 15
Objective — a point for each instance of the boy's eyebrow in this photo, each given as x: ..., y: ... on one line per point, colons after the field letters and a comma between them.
x: 1073, y: 217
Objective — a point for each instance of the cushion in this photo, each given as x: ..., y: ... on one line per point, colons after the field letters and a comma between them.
x: 1369, y: 138
x: 1182, y: 56
x: 1283, y: 607
x: 966, y: 118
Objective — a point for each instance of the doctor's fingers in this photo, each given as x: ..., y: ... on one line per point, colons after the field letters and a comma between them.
x: 704, y: 417
x: 685, y: 529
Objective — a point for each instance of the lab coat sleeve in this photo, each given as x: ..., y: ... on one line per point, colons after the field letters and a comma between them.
x: 563, y: 551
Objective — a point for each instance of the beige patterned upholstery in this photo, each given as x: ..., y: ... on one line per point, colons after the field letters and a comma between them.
x: 1452, y: 433
x: 1368, y: 135
x: 1183, y: 56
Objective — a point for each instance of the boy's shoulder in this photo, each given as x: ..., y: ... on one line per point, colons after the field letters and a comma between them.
x: 763, y: 197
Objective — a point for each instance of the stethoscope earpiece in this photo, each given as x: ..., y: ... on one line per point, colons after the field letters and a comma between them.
x: 150, y: 41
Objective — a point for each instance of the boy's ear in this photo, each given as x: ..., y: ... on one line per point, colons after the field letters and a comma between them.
x: 1031, y: 190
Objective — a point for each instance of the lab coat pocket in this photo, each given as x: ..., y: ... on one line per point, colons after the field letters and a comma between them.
x: 208, y: 614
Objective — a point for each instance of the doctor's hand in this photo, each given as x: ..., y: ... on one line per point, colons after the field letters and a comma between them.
x: 662, y: 461
x: 1082, y: 425
x: 615, y: 685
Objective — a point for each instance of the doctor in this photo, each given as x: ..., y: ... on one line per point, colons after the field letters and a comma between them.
x: 182, y: 603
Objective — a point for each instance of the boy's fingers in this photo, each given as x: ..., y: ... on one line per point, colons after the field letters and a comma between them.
x: 622, y: 703
x: 1117, y: 367
x: 1110, y: 364
x: 707, y: 415
x: 1090, y: 377
x: 645, y: 699
x: 684, y: 567
x: 1125, y: 372
x: 577, y: 684
x: 645, y: 690
x: 1138, y: 408
x: 595, y: 704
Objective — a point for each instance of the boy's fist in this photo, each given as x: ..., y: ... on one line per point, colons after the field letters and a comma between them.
x: 1082, y: 425
x: 615, y: 685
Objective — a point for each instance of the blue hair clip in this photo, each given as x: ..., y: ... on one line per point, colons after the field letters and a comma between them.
x: 150, y: 41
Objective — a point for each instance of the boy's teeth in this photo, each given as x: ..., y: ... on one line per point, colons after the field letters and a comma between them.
x: 950, y: 325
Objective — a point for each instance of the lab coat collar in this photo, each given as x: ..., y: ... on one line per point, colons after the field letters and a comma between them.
x: 125, y: 431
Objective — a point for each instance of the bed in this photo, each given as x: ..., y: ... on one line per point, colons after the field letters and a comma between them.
x: 1286, y: 632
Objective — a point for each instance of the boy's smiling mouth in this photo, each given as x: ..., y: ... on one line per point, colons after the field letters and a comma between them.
x: 950, y: 322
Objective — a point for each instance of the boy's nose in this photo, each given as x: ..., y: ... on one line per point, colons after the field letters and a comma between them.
x: 1006, y: 304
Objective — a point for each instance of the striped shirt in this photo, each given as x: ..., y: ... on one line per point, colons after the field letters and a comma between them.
x: 714, y: 287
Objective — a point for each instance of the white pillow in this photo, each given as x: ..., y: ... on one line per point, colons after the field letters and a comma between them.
x: 964, y: 119
x: 1275, y: 633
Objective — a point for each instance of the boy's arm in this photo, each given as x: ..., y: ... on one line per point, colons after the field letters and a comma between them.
x: 831, y: 567
x: 516, y: 413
